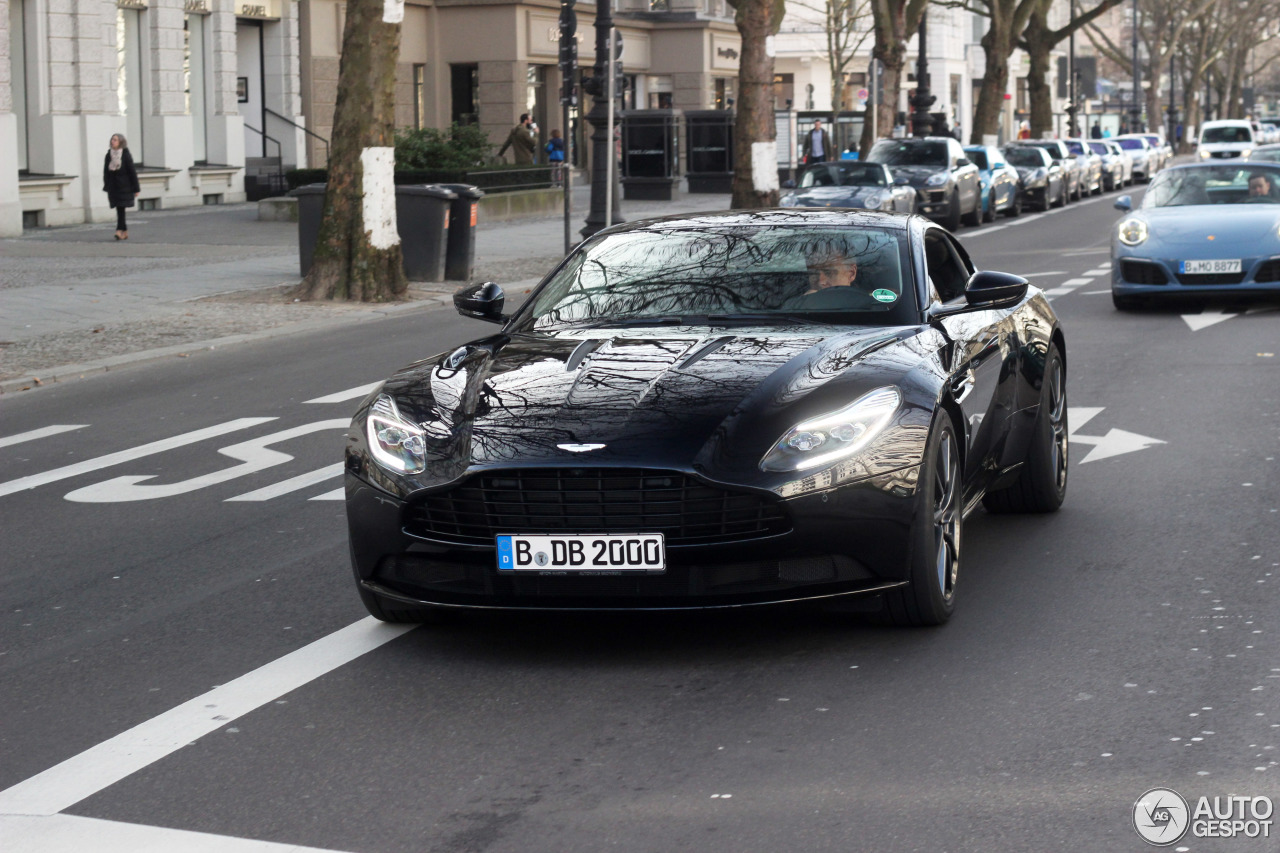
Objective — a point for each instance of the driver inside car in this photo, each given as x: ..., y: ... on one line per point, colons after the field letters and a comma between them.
x: 830, y: 269
x: 1260, y: 187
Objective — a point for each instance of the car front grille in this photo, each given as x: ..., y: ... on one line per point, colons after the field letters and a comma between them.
x: 1142, y: 272
x: 1211, y: 278
x: 594, y: 500
x: 1269, y: 271
x: 1223, y: 155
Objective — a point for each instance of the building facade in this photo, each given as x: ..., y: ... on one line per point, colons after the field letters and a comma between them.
x: 198, y: 87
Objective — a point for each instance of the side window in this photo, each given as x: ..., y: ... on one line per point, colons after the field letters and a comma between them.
x: 957, y: 150
x: 946, y: 271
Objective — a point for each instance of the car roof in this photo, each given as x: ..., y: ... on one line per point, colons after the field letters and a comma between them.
x: 1235, y: 162
x: 771, y: 217
x: 1226, y: 122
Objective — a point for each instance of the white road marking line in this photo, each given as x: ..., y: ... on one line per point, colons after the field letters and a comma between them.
x: 292, y: 484
x: 98, y: 767
x: 1038, y: 274
x: 1093, y: 292
x: 1206, y: 318
x: 254, y: 455
x: 335, y: 495
x: 43, y: 432
x: 1085, y: 252
x: 1114, y: 443
x: 31, y: 482
x: 1076, y: 282
x: 1058, y: 291
x: 1078, y: 416
x: 349, y: 394
x: 72, y: 832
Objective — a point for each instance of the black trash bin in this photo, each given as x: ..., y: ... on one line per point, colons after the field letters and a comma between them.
x: 650, y: 154
x: 710, y: 135
x: 422, y: 218
x: 464, y: 212
x: 310, y: 209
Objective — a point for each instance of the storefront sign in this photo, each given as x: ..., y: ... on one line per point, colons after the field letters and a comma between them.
x: 259, y: 10
x: 196, y: 7
x: 725, y: 51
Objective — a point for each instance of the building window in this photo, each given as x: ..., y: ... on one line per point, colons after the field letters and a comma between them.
x: 465, y: 90
x: 193, y: 72
x: 129, y: 80
x: 419, y: 95
x: 784, y: 91
x: 724, y: 89
x: 18, y: 75
x: 1024, y: 98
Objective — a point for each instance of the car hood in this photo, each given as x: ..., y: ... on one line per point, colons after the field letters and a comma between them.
x: 641, y: 395
x: 852, y: 196
x: 916, y: 174
x: 1239, y: 230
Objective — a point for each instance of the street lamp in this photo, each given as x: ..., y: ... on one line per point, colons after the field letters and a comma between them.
x: 1135, y: 111
x: 921, y: 121
x: 601, y: 145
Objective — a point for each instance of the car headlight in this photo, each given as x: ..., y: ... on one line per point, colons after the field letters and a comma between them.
x: 1244, y: 155
x: 1204, y: 155
x: 937, y: 179
x: 834, y: 436
x: 1133, y: 231
x: 873, y: 201
x: 396, y: 443
x: 787, y: 201
x: 1040, y: 174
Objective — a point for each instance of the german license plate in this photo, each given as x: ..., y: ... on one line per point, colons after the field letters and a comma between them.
x: 1194, y: 267
x: 582, y: 553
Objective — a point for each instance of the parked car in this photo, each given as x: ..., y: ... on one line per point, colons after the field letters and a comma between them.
x: 1203, y: 230
x: 1160, y: 151
x: 947, y: 184
x: 1270, y: 133
x: 1072, y: 170
x: 1112, y: 164
x: 851, y: 183
x: 1090, y: 165
x: 1265, y: 154
x: 1041, y: 180
x: 713, y: 411
x: 999, y: 182
x: 1225, y: 139
x: 1139, y: 151
x: 1126, y: 160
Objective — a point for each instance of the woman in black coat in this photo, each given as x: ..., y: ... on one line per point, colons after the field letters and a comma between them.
x: 120, y: 181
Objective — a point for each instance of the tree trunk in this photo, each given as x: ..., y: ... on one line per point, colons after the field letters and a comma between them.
x: 755, y: 150
x: 357, y: 253
x: 1235, y: 92
x: 1039, y: 43
x: 997, y: 46
x: 894, y: 21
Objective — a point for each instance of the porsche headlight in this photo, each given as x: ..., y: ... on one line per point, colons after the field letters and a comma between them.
x: 834, y: 436
x: 1039, y: 174
x: 874, y: 201
x: 1133, y: 231
x: 937, y: 179
x: 396, y: 443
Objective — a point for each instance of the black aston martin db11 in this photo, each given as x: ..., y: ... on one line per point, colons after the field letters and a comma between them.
x: 711, y: 411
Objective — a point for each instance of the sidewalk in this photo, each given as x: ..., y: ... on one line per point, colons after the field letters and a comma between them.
x: 74, y: 301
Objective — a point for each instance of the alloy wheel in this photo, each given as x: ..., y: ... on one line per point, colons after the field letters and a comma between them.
x: 946, y: 516
x: 1058, y: 423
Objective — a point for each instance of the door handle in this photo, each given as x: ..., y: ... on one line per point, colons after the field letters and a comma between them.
x: 961, y: 387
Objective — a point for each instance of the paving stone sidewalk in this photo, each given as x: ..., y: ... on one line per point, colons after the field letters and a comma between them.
x: 75, y: 301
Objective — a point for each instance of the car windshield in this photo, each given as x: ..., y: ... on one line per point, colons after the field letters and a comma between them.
x: 731, y: 274
x: 844, y: 175
x: 1214, y: 185
x: 979, y: 158
x: 1050, y: 148
x: 1152, y: 140
x: 1098, y: 148
x: 1265, y: 155
x: 1226, y: 135
x: 1131, y: 144
x: 910, y: 153
x: 1075, y: 147
x: 1029, y: 157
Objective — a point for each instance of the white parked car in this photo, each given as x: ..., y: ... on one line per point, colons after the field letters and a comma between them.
x: 1226, y: 138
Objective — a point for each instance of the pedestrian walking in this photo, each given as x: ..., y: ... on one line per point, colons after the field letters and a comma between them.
x: 1095, y: 132
x: 555, y: 156
x: 120, y: 181
x: 817, y: 144
x: 521, y: 141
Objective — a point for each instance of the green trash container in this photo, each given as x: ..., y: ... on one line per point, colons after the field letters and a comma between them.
x: 422, y: 217
x: 464, y: 212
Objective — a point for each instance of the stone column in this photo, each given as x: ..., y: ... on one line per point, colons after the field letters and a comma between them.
x: 10, y: 204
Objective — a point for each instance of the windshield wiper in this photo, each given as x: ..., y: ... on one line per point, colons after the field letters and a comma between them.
x: 641, y: 321
x: 783, y: 319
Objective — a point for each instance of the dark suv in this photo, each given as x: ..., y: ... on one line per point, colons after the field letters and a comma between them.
x: 948, y: 186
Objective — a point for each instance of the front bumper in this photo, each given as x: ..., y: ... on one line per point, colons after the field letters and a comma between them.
x: 1138, y: 275
x: 846, y: 540
x: 933, y: 202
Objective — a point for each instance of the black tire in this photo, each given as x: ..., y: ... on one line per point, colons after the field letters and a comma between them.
x: 387, y: 611
x: 1063, y: 195
x: 1042, y: 483
x: 989, y: 215
x: 974, y: 217
x: 1125, y: 303
x: 935, y: 535
x: 1015, y: 209
x: 952, y: 222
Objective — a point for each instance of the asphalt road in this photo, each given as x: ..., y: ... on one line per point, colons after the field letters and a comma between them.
x: 182, y: 651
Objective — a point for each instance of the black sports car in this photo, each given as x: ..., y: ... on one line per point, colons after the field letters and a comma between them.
x: 714, y: 410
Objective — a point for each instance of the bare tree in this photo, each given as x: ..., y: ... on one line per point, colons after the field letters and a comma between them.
x: 357, y: 254
x: 894, y: 22
x: 1039, y: 40
x: 845, y: 27
x: 755, y: 150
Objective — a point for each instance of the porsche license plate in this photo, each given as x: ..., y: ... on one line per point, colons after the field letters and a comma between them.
x: 582, y: 553
x: 1194, y: 267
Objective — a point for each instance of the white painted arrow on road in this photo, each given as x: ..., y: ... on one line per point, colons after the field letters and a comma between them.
x: 1206, y: 318
x: 1114, y: 443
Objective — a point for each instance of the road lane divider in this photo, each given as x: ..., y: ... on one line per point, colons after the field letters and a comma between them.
x: 292, y: 484
x: 89, y: 465
x: 43, y: 432
x: 51, y: 833
x: 356, y: 393
x: 81, y: 776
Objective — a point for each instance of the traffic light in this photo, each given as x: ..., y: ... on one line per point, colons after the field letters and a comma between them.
x: 568, y: 52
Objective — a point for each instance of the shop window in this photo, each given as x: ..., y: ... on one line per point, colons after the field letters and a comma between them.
x: 724, y: 89
x: 419, y: 95
x: 18, y: 74
x: 465, y: 90
x: 195, y: 81
x: 130, y: 83
x: 784, y: 91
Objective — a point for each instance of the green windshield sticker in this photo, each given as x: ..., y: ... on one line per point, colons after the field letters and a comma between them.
x: 883, y: 295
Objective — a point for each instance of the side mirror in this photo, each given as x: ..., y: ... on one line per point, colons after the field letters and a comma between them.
x: 961, y: 162
x: 1124, y: 203
x: 991, y: 289
x: 901, y: 181
x: 788, y: 184
x: 481, y: 302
